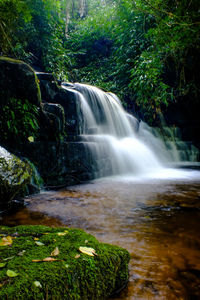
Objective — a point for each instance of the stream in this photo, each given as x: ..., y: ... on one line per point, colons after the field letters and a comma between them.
x: 155, y: 217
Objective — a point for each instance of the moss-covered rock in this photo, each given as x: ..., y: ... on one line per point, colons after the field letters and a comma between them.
x: 15, y: 174
x: 18, y: 80
x: 71, y: 275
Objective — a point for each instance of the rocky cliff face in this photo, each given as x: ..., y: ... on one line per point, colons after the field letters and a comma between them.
x: 41, y: 121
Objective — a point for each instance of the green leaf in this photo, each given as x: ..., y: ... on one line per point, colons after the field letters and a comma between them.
x: 39, y: 243
x: 11, y: 273
x: 37, y: 284
x: 2, y: 265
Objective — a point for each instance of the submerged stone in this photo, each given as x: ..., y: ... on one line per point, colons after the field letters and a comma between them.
x: 50, y: 263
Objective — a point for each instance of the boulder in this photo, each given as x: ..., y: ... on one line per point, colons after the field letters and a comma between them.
x: 15, y: 174
x: 59, y: 263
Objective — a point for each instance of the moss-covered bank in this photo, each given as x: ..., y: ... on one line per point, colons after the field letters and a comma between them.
x: 72, y: 275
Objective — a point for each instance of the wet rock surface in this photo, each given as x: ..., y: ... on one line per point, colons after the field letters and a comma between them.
x: 54, y: 146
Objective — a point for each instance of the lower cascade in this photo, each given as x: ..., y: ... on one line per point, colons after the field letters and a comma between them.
x: 108, y: 131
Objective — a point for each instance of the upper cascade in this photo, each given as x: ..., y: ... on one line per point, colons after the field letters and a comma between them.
x: 118, y: 142
x: 107, y: 128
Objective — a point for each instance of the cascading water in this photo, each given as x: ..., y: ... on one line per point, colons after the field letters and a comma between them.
x: 119, y: 145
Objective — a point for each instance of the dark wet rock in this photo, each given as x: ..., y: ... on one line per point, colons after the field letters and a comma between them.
x: 18, y: 80
x: 52, y: 93
x: 65, y: 163
x: 55, y: 114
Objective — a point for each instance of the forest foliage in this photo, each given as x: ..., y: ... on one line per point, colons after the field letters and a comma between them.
x: 146, y: 51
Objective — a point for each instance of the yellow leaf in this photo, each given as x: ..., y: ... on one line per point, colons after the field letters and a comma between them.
x: 77, y: 256
x: 36, y: 239
x: 6, y: 241
x: 11, y: 273
x: 61, y: 233
x: 55, y: 252
x: 31, y: 139
x: 87, y: 250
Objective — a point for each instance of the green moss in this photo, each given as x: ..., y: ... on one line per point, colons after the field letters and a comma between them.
x: 85, y: 277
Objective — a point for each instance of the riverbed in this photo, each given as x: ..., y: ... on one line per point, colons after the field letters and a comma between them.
x: 155, y: 217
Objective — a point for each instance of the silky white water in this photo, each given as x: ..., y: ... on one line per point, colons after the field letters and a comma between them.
x: 120, y: 145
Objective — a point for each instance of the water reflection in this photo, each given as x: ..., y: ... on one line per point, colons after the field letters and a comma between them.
x: 157, y: 221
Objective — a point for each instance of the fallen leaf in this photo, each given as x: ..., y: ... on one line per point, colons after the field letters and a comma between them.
x: 49, y: 259
x: 36, y: 260
x: 21, y: 253
x: 2, y: 265
x: 45, y: 259
x: 36, y: 239
x: 11, y: 273
x: 8, y: 258
x: 61, y: 233
x: 87, y: 250
x: 77, y: 256
x: 37, y: 284
x: 6, y: 241
x: 39, y: 243
x: 55, y: 252
x: 31, y: 139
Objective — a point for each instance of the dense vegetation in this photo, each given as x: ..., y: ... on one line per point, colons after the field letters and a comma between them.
x: 144, y: 50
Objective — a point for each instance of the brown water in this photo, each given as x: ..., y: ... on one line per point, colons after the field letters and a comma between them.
x: 158, y: 221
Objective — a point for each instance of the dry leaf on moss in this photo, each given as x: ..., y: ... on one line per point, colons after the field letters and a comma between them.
x: 6, y: 241
x: 87, y: 250
x: 47, y: 259
x: 55, y: 252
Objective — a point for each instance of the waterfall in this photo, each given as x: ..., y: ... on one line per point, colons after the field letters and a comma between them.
x: 120, y: 145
